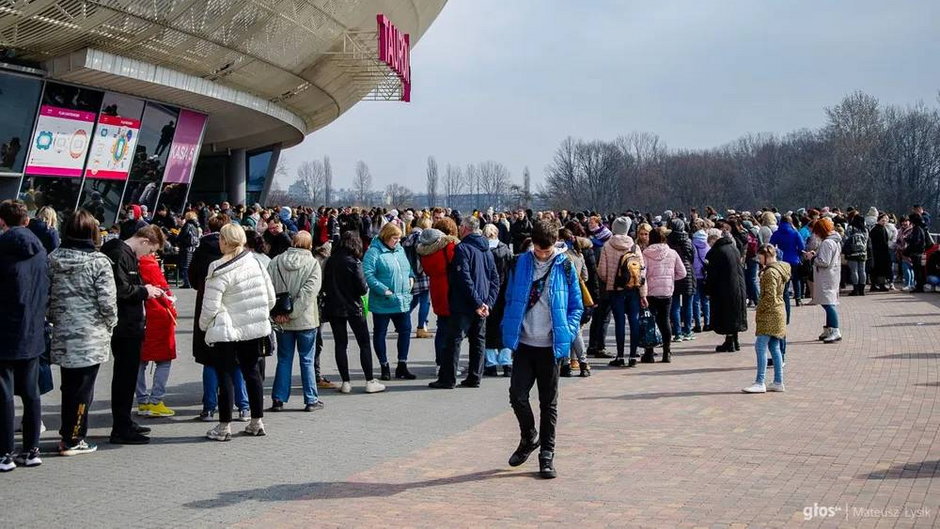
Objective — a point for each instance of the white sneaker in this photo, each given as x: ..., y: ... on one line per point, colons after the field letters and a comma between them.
x: 255, y: 428
x: 825, y: 334
x: 220, y: 433
x: 776, y: 387
x: 928, y: 288
x: 374, y: 386
x: 6, y: 463
x: 834, y: 336
x: 755, y: 388
x: 346, y: 387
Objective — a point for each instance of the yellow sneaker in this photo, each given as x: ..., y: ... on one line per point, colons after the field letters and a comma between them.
x: 144, y: 410
x: 160, y: 410
x: 422, y: 333
x: 575, y: 365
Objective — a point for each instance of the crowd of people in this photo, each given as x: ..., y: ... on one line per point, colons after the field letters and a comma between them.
x: 532, y: 293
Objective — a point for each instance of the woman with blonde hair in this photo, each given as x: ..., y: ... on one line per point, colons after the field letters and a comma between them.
x: 46, y: 227
x: 390, y: 279
x: 235, y: 316
x: 643, y: 236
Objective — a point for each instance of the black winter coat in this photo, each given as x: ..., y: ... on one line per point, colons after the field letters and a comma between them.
x: 131, y: 293
x: 880, y: 253
x: 24, y: 289
x: 724, y: 284
x: 519, y: 232
x: 472, y: 276
x: 680, y: 242
x: 207, y: 251
x: 344, y: 284
x: 502, y: 255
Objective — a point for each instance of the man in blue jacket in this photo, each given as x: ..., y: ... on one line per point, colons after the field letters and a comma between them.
x: 542, y: 317
x: 24, y: 289
x: 474, y: 286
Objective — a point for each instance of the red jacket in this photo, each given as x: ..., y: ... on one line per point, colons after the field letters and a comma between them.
x: 160, y: 333
x: 435, y: 266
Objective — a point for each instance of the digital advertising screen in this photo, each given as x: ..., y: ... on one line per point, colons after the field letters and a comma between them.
x: 60, y: 142
x: 112, y: 148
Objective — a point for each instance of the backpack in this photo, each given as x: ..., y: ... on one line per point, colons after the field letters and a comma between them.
x: 630, y: 271
x: 857, y: 244
x: 752, y: 244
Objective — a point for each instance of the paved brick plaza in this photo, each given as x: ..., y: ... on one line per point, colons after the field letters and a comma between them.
x: 853, y: 443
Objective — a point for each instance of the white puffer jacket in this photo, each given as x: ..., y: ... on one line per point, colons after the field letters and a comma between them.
x: 238, y: 300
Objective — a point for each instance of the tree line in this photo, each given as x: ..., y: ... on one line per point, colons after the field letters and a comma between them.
x: 867, y: 154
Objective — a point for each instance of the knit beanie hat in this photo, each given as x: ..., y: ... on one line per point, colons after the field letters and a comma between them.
x: 620, y: 226
x: 429, y: 236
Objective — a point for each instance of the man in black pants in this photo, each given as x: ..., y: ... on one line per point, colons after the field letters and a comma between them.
x: 542, y: 315
x: 474, y: 287
x: 24, y: 289
x: 128, y: 336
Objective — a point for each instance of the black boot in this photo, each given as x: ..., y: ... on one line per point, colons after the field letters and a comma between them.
x: 631, y: 362
x: 507, y: 371
x: 547, y: 464
x: 647, y: 357
x: 667, y: 357
x: 386, y: 373
x: 854, y: 291
x: 585, y: 369
x: 617, y: 362
x: 402, y: 373
x: 523, y: 451
x: 491, y: 371
x: 727, y: 346
x: 566, y: 370
x: 737, y: 346
x: 861, y: 290
x: 697, y: 328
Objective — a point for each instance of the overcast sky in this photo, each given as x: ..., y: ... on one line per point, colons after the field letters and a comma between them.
x: 507, y: 80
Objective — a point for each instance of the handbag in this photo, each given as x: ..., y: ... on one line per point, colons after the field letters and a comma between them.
x: 283, y: 302
x: 586, y: 299
x: 649, y: 332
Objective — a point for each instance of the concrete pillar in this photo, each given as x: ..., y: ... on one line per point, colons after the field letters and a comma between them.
x: 236, y: 176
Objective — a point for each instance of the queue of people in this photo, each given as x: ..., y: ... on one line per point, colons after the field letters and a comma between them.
x: 520, y: 287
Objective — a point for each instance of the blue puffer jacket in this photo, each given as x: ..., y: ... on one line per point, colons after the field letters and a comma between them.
x: 566, y: 304
x: 386, y: 269
x: 790, y: 242
x: 472, y: 276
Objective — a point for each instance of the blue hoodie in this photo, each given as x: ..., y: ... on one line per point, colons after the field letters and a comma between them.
x: 790, y: 242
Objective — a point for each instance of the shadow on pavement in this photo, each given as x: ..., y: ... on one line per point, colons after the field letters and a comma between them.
x: 929, y: 384
x: 665, y: 395
x: 341, y: 489
x: 908, y: 324
x: 693, y: 371
x: 916, y: 470
x: 907, y: 356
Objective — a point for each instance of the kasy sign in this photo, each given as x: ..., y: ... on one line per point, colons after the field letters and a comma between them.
x: 395, y: 51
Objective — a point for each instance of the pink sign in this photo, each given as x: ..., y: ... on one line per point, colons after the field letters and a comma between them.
x: 395, y: 51
x: 60, y: 143
x: 185, y: 148
x: 112, y: 149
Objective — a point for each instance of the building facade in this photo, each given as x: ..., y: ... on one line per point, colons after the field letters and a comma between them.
x: 151, y: 102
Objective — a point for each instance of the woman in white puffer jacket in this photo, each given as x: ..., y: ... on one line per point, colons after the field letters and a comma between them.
x: 235, y: 315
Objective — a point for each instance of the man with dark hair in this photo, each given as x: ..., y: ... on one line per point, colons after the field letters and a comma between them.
x: 474, y: 286
x: 276, y: 238
x: 24, y: 288
x: 542, y: 316
x: 128, y: 336
x: 520, y: 230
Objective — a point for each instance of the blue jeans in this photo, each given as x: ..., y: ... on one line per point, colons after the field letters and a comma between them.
x: 498, y: 357
x: 681, y: 314
x: 832, y: 317
x: 287, y: 343
x: 626, y: 305
x: 402, y: 322
x: 753, y: 287
x: 761, y: 344
x: 907, y: 271
x: 423, y: 302
x: 161, y: 373
x: 210, y: 389
x: 701, y: 305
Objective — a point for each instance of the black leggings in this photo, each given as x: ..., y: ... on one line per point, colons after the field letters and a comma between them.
x: 246, y: 355
x: 360, y: 330
x: 661, y: 307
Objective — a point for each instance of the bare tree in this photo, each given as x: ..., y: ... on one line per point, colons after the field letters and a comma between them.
x: 327, y: 181
x: 432, y: 181
x: 453, y: 183
x: 493, y: 178
x: 311, y: 179
x: 472, y: 182
x: 362, y: 183
x: 398, y: 195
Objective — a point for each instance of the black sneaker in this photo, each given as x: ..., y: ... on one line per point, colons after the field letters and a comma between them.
x: 276, y: 405
x: 6, y: 463
x: 547, y: 464
x: 565, y: 370
x: 492, y: 371
x: 617, y: 362
x: 602, y: 353
x: 29, y: 459
x: 470, y: 383
x: 523, y: 451
x: 206, y: 416
x: 316, y: 406
x: 144, y: 430
x: 507, y: 371
x: 631, y: 362
x: 129, y: 438
x: 437, y: 384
